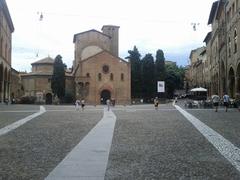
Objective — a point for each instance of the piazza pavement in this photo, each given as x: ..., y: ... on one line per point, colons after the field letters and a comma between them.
x: 128, y: 142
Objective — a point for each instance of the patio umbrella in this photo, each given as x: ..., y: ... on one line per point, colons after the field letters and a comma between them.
x: 200, y: 89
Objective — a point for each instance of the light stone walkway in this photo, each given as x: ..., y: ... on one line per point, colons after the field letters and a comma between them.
x: 20, y: 122
x: 224, y: 146
x: 88, y: 159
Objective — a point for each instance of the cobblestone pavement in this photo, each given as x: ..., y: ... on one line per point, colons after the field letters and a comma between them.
x: 147, y: 144
x: 34, y: 149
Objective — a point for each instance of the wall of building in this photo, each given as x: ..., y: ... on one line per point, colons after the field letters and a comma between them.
x: 6, y: 29
x: 120, y: 89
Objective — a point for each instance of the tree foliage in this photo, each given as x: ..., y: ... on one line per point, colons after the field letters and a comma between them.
x: 58, y: 78
x: 145, y: 73
x: 160, y: 66
x: 148, y: 76
x: 136, y: 85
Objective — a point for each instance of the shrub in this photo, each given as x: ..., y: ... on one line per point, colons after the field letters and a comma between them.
x: 27, y: 100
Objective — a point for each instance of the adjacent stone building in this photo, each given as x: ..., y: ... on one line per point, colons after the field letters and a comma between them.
x: 6, y: 30
x: 17, y: 89
x: 38, y: 82
x: 222, y: 66
x: 197, y: 60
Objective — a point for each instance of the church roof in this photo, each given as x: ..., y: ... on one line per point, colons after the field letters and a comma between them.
x: 47, y: 60
x: 92, y: 30
x: 213, y: 12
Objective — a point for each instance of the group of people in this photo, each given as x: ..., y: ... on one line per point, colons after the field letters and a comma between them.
x: 216, y: 100
x: 80, y: 103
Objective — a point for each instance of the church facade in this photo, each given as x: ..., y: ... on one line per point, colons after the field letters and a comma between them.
x: 99, y: 73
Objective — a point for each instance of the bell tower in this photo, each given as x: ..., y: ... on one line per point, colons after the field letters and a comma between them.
x: 112, y: 31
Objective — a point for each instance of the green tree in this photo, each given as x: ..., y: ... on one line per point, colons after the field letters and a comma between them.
x: 160, y: 72
x: 160, y: 66
x: 58, y: 78
x: 148, y: 77
x: 174, y: 78
x: 136, y: 82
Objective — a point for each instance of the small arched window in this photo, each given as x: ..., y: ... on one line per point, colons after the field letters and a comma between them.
x: 99, y: 76
x: 111, y: 76
x: 235, y: 41
x: 81, y: 84
x: 87, y: 84
x: 122, y: 77
x: 88, y: 75
x: 229, y: 46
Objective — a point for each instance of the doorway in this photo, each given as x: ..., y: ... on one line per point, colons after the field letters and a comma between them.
x: 48, y: 98
x: 105, y: 95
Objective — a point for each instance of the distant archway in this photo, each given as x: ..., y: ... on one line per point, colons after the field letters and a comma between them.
x: 48, y: 98
x: 1, y: 81
x: 5, y: 90
x: 223, y: 78
x: 238, y: 78
x: 105, y: 95
x: 231, y: 80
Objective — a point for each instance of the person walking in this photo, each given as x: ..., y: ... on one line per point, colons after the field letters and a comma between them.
x: 215, y: 100
x: 238, y: 101
x: 156, y: 103
x: 108, y: 104
x: 226, y: 100
x: 77, y: 103
x: 83, y: 104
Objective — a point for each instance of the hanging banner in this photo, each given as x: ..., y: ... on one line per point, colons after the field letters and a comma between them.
x: 161, y: 86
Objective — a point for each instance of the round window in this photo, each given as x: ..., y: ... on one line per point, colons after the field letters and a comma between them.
x: 105, y: 68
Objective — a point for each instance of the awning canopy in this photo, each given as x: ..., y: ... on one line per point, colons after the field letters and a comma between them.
x: 200, y: 89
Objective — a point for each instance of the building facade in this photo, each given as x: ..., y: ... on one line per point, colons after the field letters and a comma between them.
x: 222, y: 65
x: 38, y: 82
x: 98, y: 71
x: 6, y: 30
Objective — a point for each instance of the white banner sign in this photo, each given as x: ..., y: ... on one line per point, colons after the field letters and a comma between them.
x: 161, y: 86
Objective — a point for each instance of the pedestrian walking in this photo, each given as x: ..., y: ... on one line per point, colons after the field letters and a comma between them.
x: 82, y: 104
x: 175, y: 100
x: 156, y: 103
x: 237, y: 100
x: 108, y: 104
x: 77, y: 103
x: 215, y: 100
x: 226, y: 100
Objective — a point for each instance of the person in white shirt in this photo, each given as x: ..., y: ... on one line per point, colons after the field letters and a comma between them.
x: 108, y: 104
x: 77, y: 103
x: 215, y: 100
x: 226, y: 100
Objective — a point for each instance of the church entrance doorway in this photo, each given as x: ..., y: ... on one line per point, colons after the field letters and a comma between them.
x: 48, y: 98
x: 105, y: 95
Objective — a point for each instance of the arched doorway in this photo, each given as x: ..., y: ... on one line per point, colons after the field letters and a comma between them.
x: 231, y: 80
x: 5, y: 90
x: 223, y: 78
x: 1, y: 81
x: 238, y: 78
x: 48, y: 98
x: 105, y: 94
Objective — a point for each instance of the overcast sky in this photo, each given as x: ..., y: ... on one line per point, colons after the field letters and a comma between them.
x: 148, y: 24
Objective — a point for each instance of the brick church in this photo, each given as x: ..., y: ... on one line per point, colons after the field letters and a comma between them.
x: 98, y: 72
